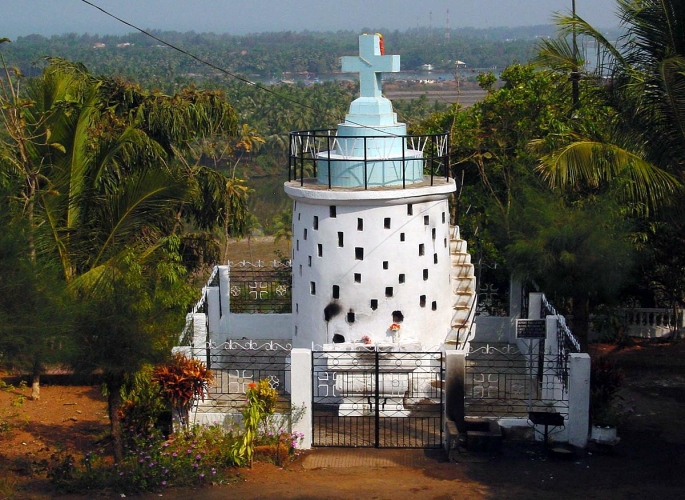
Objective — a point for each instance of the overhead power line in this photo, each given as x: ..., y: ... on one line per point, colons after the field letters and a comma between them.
x: 218, y: 68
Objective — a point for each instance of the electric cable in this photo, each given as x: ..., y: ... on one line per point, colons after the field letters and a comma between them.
x: 222, y: 70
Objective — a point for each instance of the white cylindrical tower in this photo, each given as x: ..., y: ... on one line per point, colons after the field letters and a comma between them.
x: 371, y: 242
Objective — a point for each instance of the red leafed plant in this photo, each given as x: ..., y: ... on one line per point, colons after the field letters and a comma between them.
x: 183, y: 380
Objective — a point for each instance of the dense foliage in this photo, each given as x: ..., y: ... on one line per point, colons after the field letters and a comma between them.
x: 269, y: 55
x: 581, y: 197
x: 97, y: 181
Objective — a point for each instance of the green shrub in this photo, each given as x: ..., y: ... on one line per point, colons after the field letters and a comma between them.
x: 202, y: 455
x: 143, y: 406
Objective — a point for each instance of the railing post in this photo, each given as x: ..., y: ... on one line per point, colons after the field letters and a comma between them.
x: 301, y: 394
x: 448, y: 167
x: 366, y: 174
x: 404, y: 166
x: 377, y: 397
x: 578, y: 399
x: 290, y: 155
x: 433, y: 152
x: 328, y: 150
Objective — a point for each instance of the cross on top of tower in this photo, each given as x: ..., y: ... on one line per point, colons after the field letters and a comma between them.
x: 370, y: 63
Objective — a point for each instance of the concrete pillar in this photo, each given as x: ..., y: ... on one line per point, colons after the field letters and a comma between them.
x: 578, y: 399
x: 301, y: 393
x: 200, y: 337
x: 551, y: 337
x: 213, y: 313
x: 455, y: 378
x: 535, y: 305
x: 224, y: 290
x: 552, y: 386
x: 514, y: 298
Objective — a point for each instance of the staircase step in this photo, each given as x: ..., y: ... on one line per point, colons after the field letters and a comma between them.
x: 460, y: 259
x: 458, y: 246
x: 463, y: 284
x: 461, y: 269
x: 461, y: 317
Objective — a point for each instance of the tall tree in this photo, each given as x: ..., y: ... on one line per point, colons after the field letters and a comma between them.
x: 109, y: 193
x: 640, y: 80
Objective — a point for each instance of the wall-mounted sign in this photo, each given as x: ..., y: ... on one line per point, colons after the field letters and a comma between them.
x: 530, y: 329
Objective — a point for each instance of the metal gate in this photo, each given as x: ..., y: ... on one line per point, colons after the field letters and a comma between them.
x: 503, y: 382
x: 372, y: 398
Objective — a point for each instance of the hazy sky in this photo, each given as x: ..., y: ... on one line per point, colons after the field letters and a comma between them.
x: 49, y: 17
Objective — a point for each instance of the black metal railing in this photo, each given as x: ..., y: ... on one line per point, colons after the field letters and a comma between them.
x: 503, y: 382
x: 309, y: 147
x: 566, y: 341
x: 238, y: 363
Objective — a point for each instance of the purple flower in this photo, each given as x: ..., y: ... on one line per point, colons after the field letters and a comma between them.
x: 202, y: 476
x: 196, y: 465
x: 174, y: 454
x: 198, y: 457
x: 163, y: 483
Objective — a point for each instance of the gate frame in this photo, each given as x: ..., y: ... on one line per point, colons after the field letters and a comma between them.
x: 437, y: 429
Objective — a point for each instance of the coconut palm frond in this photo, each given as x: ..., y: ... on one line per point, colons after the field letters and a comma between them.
x: 594, y: 163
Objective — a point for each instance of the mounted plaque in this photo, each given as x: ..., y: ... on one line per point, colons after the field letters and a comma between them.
x: 530, y: 329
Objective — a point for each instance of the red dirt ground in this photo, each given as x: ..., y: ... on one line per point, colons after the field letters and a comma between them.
x: 649, y: 460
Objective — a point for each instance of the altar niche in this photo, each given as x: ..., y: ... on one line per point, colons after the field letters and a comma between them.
x: 368, y: 397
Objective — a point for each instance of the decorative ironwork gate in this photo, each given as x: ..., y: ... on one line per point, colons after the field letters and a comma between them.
x: 236, y: 364
x: 372, y: 398
x: 503, y: 382
x: 261, y: 288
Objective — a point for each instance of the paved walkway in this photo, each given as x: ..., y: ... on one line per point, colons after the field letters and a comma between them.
x: 319, y: 458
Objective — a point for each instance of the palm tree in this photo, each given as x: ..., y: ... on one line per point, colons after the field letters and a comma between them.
x: 640, y: 82
x: 283, y: 225
x: 95, y: 161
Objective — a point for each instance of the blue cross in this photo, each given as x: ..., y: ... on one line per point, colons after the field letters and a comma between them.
x: 370, y: 64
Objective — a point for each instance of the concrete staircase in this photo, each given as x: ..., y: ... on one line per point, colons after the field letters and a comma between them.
x: 464, y: 294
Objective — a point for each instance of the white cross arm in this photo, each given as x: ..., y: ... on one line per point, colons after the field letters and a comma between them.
x: 379, y: 64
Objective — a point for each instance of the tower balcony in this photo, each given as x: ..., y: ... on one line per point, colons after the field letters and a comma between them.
x: 327, y: 159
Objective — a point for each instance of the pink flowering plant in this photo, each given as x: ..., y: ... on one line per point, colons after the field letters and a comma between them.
x: 196, y: 456
x: 202, y: 455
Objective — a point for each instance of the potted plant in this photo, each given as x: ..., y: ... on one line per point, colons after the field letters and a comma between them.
x: 608, y: 409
